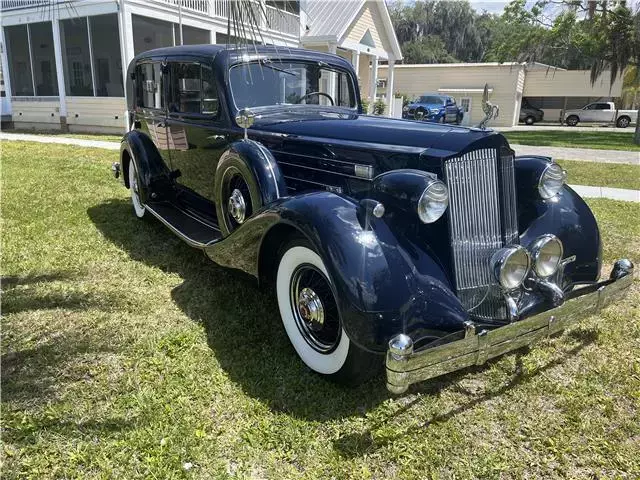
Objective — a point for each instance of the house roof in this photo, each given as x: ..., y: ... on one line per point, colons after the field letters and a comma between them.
x: 329, y: 20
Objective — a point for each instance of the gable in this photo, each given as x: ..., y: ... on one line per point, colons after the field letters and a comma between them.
x: 368, y: 27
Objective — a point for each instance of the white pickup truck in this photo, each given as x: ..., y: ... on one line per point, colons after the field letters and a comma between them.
x: 601, y: 112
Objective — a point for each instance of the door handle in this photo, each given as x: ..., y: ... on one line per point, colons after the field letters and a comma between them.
x: 217, y: 139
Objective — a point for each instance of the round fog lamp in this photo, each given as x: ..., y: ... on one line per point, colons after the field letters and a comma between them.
x: 546, y: 252
x: 511, y: 266
x: 433, y: 202
x: 551, y: 181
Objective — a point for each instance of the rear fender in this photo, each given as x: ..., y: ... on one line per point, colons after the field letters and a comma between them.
x: 139, y: 148
x: 382, y: 287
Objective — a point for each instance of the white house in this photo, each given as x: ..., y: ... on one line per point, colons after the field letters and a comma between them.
x: 64, y: 60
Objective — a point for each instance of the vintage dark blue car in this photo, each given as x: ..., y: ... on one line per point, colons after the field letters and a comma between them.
x: 426, y: 248
x: 433, y: 107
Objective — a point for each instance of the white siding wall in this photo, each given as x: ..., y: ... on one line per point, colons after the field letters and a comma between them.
x: 417, y: 80
x: 569, y: 83
x: 36, y: 113
x: 96, y: 113
x: 370, y: 20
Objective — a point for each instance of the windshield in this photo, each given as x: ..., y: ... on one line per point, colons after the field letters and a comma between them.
x: 261, y: 84
x: 431, y: 99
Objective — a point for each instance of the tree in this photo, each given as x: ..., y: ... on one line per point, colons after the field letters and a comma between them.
x: 429, y: 49
x: 600, y: 36
x: 454, y: 23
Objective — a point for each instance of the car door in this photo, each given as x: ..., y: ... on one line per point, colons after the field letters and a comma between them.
x: 603, y: 112
x: 196, y: 133
x: 151, y: 104
x: 589, y: 113
x: 451, y: 110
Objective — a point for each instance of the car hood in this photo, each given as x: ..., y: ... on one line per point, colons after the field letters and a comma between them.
x: 426, y: 105
x: 379, y: 132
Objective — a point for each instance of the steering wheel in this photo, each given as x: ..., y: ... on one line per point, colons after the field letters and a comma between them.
x: 318, y: 94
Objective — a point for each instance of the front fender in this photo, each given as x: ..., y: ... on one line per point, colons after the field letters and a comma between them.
x: 566, y: 215
x: 383, y: 286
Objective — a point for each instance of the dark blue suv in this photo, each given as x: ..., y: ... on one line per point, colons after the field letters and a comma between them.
x: 434, y: 107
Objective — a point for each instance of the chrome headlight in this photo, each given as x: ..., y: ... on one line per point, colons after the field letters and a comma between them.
x: 433, y: 202
x: 547, y: 253
x: 551, y: 181
x: 511, y: 266
x: 435, y: 110
x: 405, y: 108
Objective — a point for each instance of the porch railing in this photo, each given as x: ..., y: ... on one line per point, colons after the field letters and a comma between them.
x: 276, y: 20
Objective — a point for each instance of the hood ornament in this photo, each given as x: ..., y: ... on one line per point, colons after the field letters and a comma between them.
x: 490, y: 110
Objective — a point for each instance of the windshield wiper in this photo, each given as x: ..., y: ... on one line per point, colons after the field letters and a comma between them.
x: 267, y: 63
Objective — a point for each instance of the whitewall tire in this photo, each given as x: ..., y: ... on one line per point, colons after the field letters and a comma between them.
x: 311, y: 317
x: 134, y: 188
x: 310, y: 352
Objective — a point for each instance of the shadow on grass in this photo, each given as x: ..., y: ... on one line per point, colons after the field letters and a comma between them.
x: 244, y: 329
x: 362, y: 443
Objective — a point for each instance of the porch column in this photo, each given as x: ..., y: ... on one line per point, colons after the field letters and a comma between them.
x: 5, y: 74
x: 390, y: 98
x: 125, y: 26
x: 355, y: 61
x: 374, y: 78
x: 332, y: 48
x: 57, y: 51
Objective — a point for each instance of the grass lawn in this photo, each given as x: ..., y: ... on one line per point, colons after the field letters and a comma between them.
x: 615, y: 175
x: 57, y: 133
x: 577, y: 139
x: 126, y: 354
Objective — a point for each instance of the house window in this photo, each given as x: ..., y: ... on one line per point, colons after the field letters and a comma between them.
x: 191, y: 35
x: 76, y: 57
x: 107, y: 62
x: 43, y: 56
x: 19, y: 60
x: 465, y: 104
x: 149, y: 33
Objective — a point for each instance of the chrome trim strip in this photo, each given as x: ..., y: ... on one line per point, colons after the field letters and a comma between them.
x: 280, y: 162
x: 405, y: 370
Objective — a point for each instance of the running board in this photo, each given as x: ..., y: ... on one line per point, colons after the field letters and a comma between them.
x: 190, y: 229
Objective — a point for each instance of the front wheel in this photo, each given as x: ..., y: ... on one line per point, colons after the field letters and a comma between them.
x: 529, y: 120
x: 572, y: 120
x: 311, y: 317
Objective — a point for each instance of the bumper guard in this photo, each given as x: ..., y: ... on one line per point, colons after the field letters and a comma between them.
x: 405, y: 367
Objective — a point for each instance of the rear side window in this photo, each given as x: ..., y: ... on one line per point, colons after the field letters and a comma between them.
x: 193, y: 89
x: 149, y: 92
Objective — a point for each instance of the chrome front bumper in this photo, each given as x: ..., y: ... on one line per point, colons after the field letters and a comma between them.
x: 405, y: 367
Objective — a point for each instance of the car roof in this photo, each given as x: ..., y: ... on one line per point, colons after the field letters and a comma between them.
x: 242, y: 53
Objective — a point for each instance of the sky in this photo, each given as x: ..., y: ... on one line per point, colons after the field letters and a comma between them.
x: 491, y: 6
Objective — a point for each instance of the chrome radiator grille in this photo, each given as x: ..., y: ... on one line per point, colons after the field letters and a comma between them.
x: 482, y: 218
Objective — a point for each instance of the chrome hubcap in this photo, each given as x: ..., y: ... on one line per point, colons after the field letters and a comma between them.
x: 310, y: 309
x: 237, y: 206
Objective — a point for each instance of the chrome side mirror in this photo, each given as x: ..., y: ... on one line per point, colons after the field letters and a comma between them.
x: 244, y: 119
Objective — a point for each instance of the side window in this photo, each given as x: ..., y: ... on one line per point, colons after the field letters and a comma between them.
x: 602, y: 106
x: 590, y: 107
x: 209, y: 92
x: 149, y: 92
x: 193, y: 89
